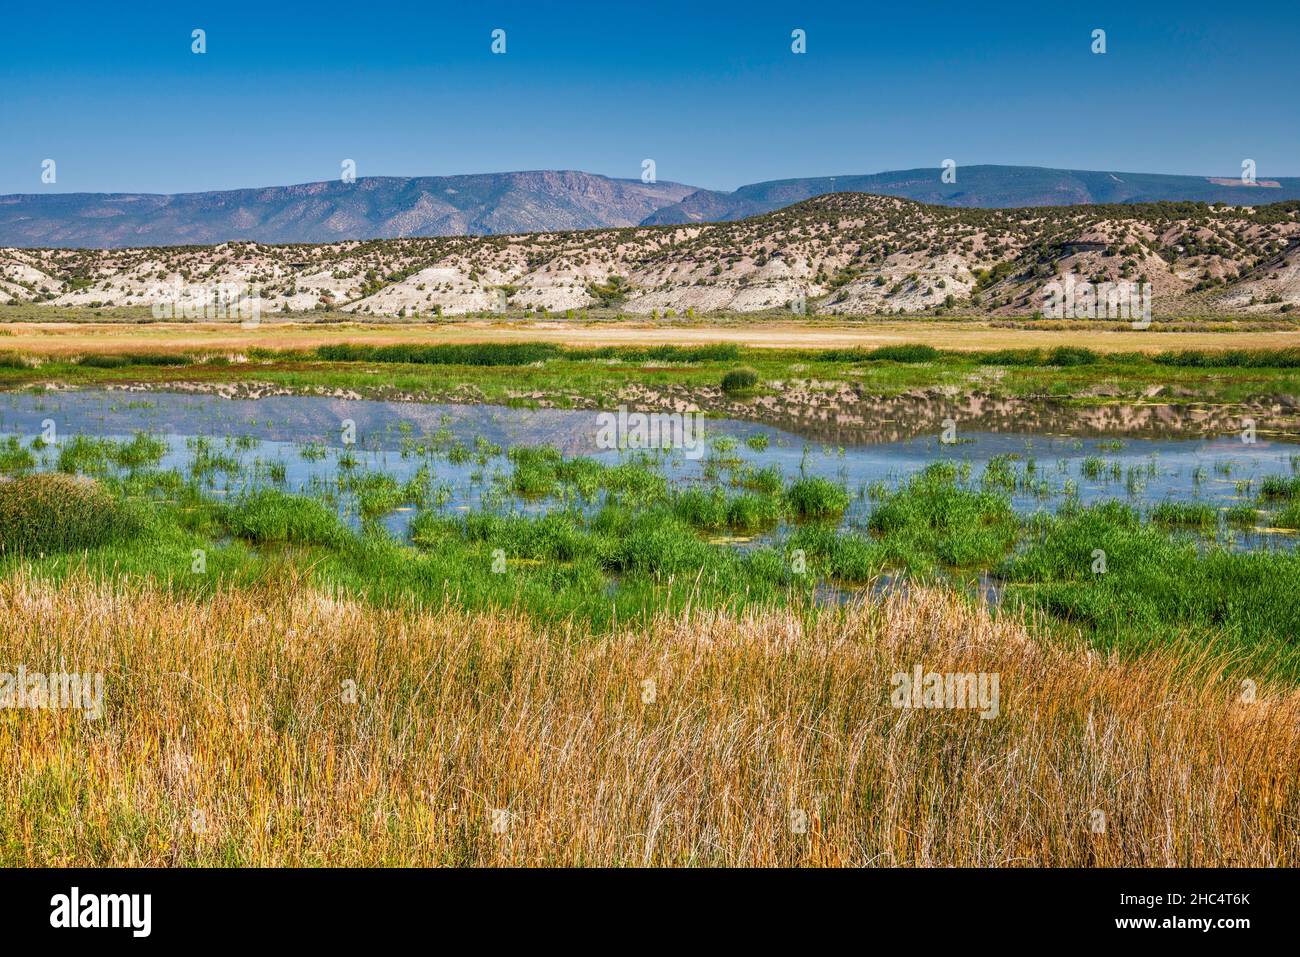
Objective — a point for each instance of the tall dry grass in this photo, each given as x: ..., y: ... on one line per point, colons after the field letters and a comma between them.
x: 226, y: 739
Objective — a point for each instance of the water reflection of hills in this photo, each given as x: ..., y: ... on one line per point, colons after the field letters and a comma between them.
x: 873, y: 419
x: 838, y: 419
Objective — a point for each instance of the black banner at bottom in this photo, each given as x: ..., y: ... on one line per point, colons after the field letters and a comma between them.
x: 367, y: 906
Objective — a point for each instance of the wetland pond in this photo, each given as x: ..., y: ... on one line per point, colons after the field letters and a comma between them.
x: 336, y: 449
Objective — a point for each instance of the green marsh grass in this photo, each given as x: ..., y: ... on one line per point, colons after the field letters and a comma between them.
x: 934, y: 515
x: 14, y: 457
x: 1280, y: 487
x: 1157, y: 588
x: 814, y: 497
x: 91, y: 455
x: 1185, y: 514
x: 271, y: 516
x: 617, y: 541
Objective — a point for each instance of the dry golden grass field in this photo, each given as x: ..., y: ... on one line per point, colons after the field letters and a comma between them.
x: 61, y: 338
x: 280, y: 726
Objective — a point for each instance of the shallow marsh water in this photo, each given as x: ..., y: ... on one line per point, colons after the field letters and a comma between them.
x: 298, y: 443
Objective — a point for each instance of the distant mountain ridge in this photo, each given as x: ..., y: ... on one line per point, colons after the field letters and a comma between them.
x: 372, y: 207
x: 389, y: 207
x: 985, y: 187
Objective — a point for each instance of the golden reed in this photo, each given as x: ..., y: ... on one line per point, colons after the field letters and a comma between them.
x: 280, y: 726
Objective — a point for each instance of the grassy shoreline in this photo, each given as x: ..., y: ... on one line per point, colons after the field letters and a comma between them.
x: 549, y: 374
x: 594, y: 544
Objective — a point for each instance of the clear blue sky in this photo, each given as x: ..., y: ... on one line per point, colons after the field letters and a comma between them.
x: 709, y: 90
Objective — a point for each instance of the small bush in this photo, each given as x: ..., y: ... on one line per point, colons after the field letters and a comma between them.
x: 739, y: 380
x: 904, y: 353
x: 122, y: 359
x: 49, y: 513
x: 1071, y: 356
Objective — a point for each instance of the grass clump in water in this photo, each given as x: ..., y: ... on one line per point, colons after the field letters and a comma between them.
x: 1185, y: 514
x: 767, y: 480
x: 712, y: 510
x: 846, y: 558
x: 535, y: 473
x: 1241, y: 515
x: 816, y: 497
x: 269, y: 515
x: 15, y: 458
x: 935, y: 516
x: 1289, y: 517
x: 91, y: 455
x: 702, y: 508
x: 1277, y: 487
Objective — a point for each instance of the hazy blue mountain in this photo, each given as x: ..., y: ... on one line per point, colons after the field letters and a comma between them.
x: 982, y: 186
x: 549, y: 201
x: 370, y: 208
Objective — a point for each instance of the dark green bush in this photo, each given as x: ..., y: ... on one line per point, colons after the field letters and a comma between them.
x: 739, y: 380
x: 49, y: 513
x: 1071, y: 356
x: 118, y: 360
x: 904, y: 353
x: 467, y: 354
